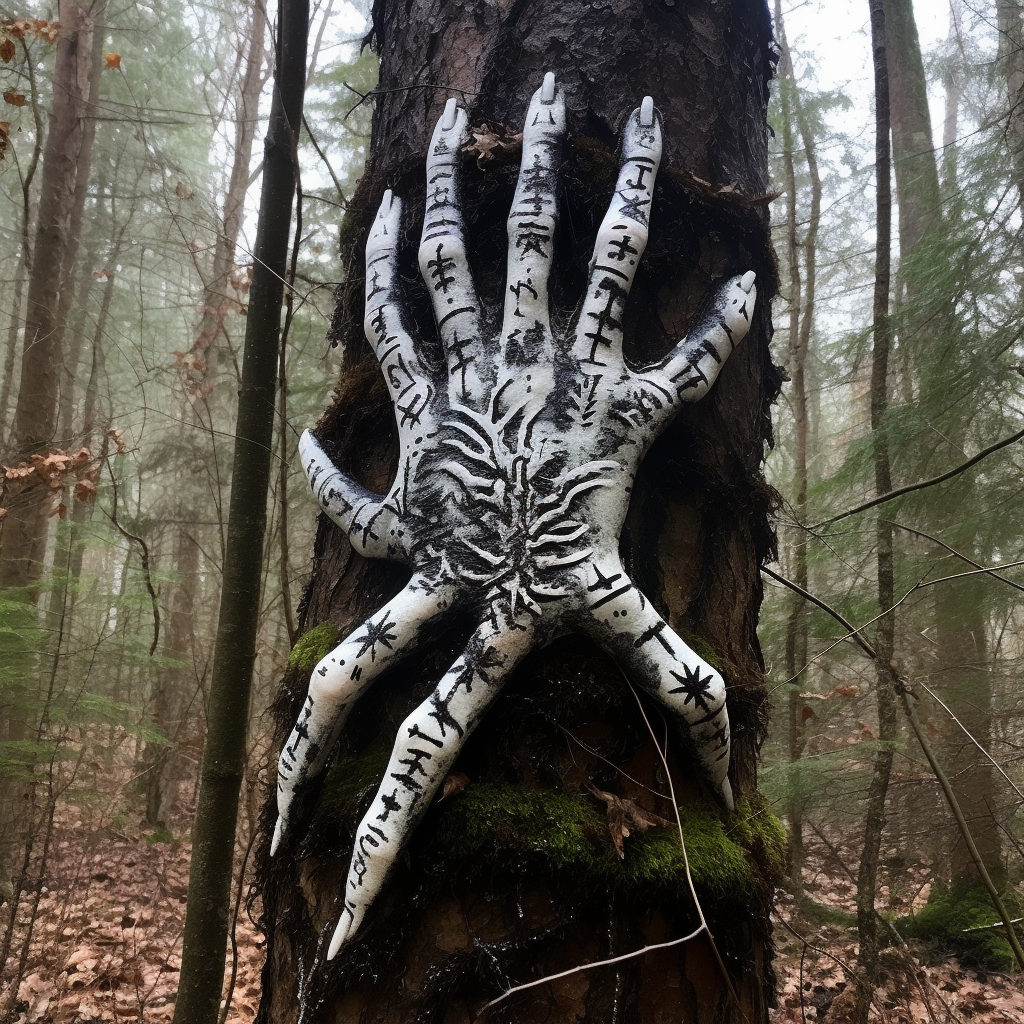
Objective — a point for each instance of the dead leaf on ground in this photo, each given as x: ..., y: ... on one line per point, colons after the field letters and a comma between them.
x: 16, y: 99
x: 112, y: 60
x: 7, y: 51
x: 624, y: 815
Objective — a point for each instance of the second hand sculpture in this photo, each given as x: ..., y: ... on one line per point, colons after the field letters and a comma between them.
x: 514, y: 474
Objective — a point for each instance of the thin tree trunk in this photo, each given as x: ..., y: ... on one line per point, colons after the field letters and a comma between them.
x: 160, y: 767
x: 23, y: 533
x: 213, y: 836
x: 874, y: 819
x: 443, y: 942
x: 1010, y: 23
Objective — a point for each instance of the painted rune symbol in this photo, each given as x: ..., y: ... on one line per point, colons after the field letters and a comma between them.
x: 515, y: 466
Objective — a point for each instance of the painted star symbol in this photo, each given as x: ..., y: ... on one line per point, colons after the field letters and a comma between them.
x: 695, y: 688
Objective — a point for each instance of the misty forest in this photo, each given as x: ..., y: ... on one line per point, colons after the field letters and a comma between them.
x: 199, y: 205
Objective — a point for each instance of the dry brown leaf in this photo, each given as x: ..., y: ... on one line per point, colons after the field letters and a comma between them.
x: 116, y: 434
x: 493, y: 144
x: 16, y: 99
x: 7, y: 51
x: 455, y: 783
x: 85, y: 490
x: 624, y: 815
x: 112, y: 60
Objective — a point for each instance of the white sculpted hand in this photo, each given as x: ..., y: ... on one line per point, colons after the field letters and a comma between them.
x: 514, y: 474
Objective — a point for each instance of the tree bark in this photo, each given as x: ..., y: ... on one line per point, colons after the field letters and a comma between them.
x: 447, y: 938
x: 213, y: 836
x: 68, y: 145
x: 874, y: 818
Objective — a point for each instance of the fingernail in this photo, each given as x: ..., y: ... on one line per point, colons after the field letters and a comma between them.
x: 547, y: 90
x: 447, y: 122
x: 647, y: 112
x: 747, y: 281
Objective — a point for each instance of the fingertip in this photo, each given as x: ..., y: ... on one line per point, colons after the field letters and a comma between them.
x: 278, y: 835
x: 385, y: 202
x: 547, y: 90
x: 449, y: 117
x: 747, y: 281
x: 646, y: 115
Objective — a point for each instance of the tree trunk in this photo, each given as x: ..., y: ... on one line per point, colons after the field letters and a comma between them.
x: 68, y: 146
x: 928, y: 326
x: 874, y: 818
x: 1010, y: 22
x: 224, y: 752
x: 503, y: 882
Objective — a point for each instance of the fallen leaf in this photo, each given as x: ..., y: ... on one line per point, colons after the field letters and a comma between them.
x: 16, y: 99
x: 112, y: 60
x: 624, y: 815
x: 7, y: 51
x: 455, y: 783
x: 182, y: 191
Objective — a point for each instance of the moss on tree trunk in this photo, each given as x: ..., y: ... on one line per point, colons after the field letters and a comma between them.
x: 515, y: 876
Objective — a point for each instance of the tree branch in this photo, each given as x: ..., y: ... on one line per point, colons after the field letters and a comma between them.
x: 921, y: 485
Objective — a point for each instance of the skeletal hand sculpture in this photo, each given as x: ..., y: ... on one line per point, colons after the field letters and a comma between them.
x: 514, y: 475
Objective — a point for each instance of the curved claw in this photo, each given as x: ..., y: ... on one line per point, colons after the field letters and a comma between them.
x: 428, y: 742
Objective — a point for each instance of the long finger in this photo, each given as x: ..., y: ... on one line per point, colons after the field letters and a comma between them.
x: 620, y: 243
x: 646, y: 647
x: 443, y: 260
x: 369, y: 522
x: 428, y: 742
x: 693, y: 365
x: 412, y: 390
x: 526, y: 331
x: 342, y: 676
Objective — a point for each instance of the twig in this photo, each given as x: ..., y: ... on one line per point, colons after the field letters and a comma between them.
x: 144, y: 558
x: 953, y: 551
x: 587, y: 967
x: 796, y: 588
x: 686, y: 856
x: 921, y: 485
x: 987, y: 927
x: 970, y: 736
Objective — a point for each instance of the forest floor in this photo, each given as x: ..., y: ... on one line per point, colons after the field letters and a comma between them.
x: 106, y: 944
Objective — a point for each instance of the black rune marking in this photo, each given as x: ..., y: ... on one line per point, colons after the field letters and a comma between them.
x: 654, y: 633
x: 439, y: 268
x: 605, y: 318
x: 622, y: 248
x: 376, y: 633
x: 634, y: 208
x: 697, y: 690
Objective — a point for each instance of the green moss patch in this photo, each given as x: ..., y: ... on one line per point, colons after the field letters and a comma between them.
x: 495, y: 830
x: 950, y: 910
x: 313, y: 645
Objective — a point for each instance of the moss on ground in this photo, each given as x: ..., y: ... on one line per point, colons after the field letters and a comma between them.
x: 951, y: 909
x: 313, y: 645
